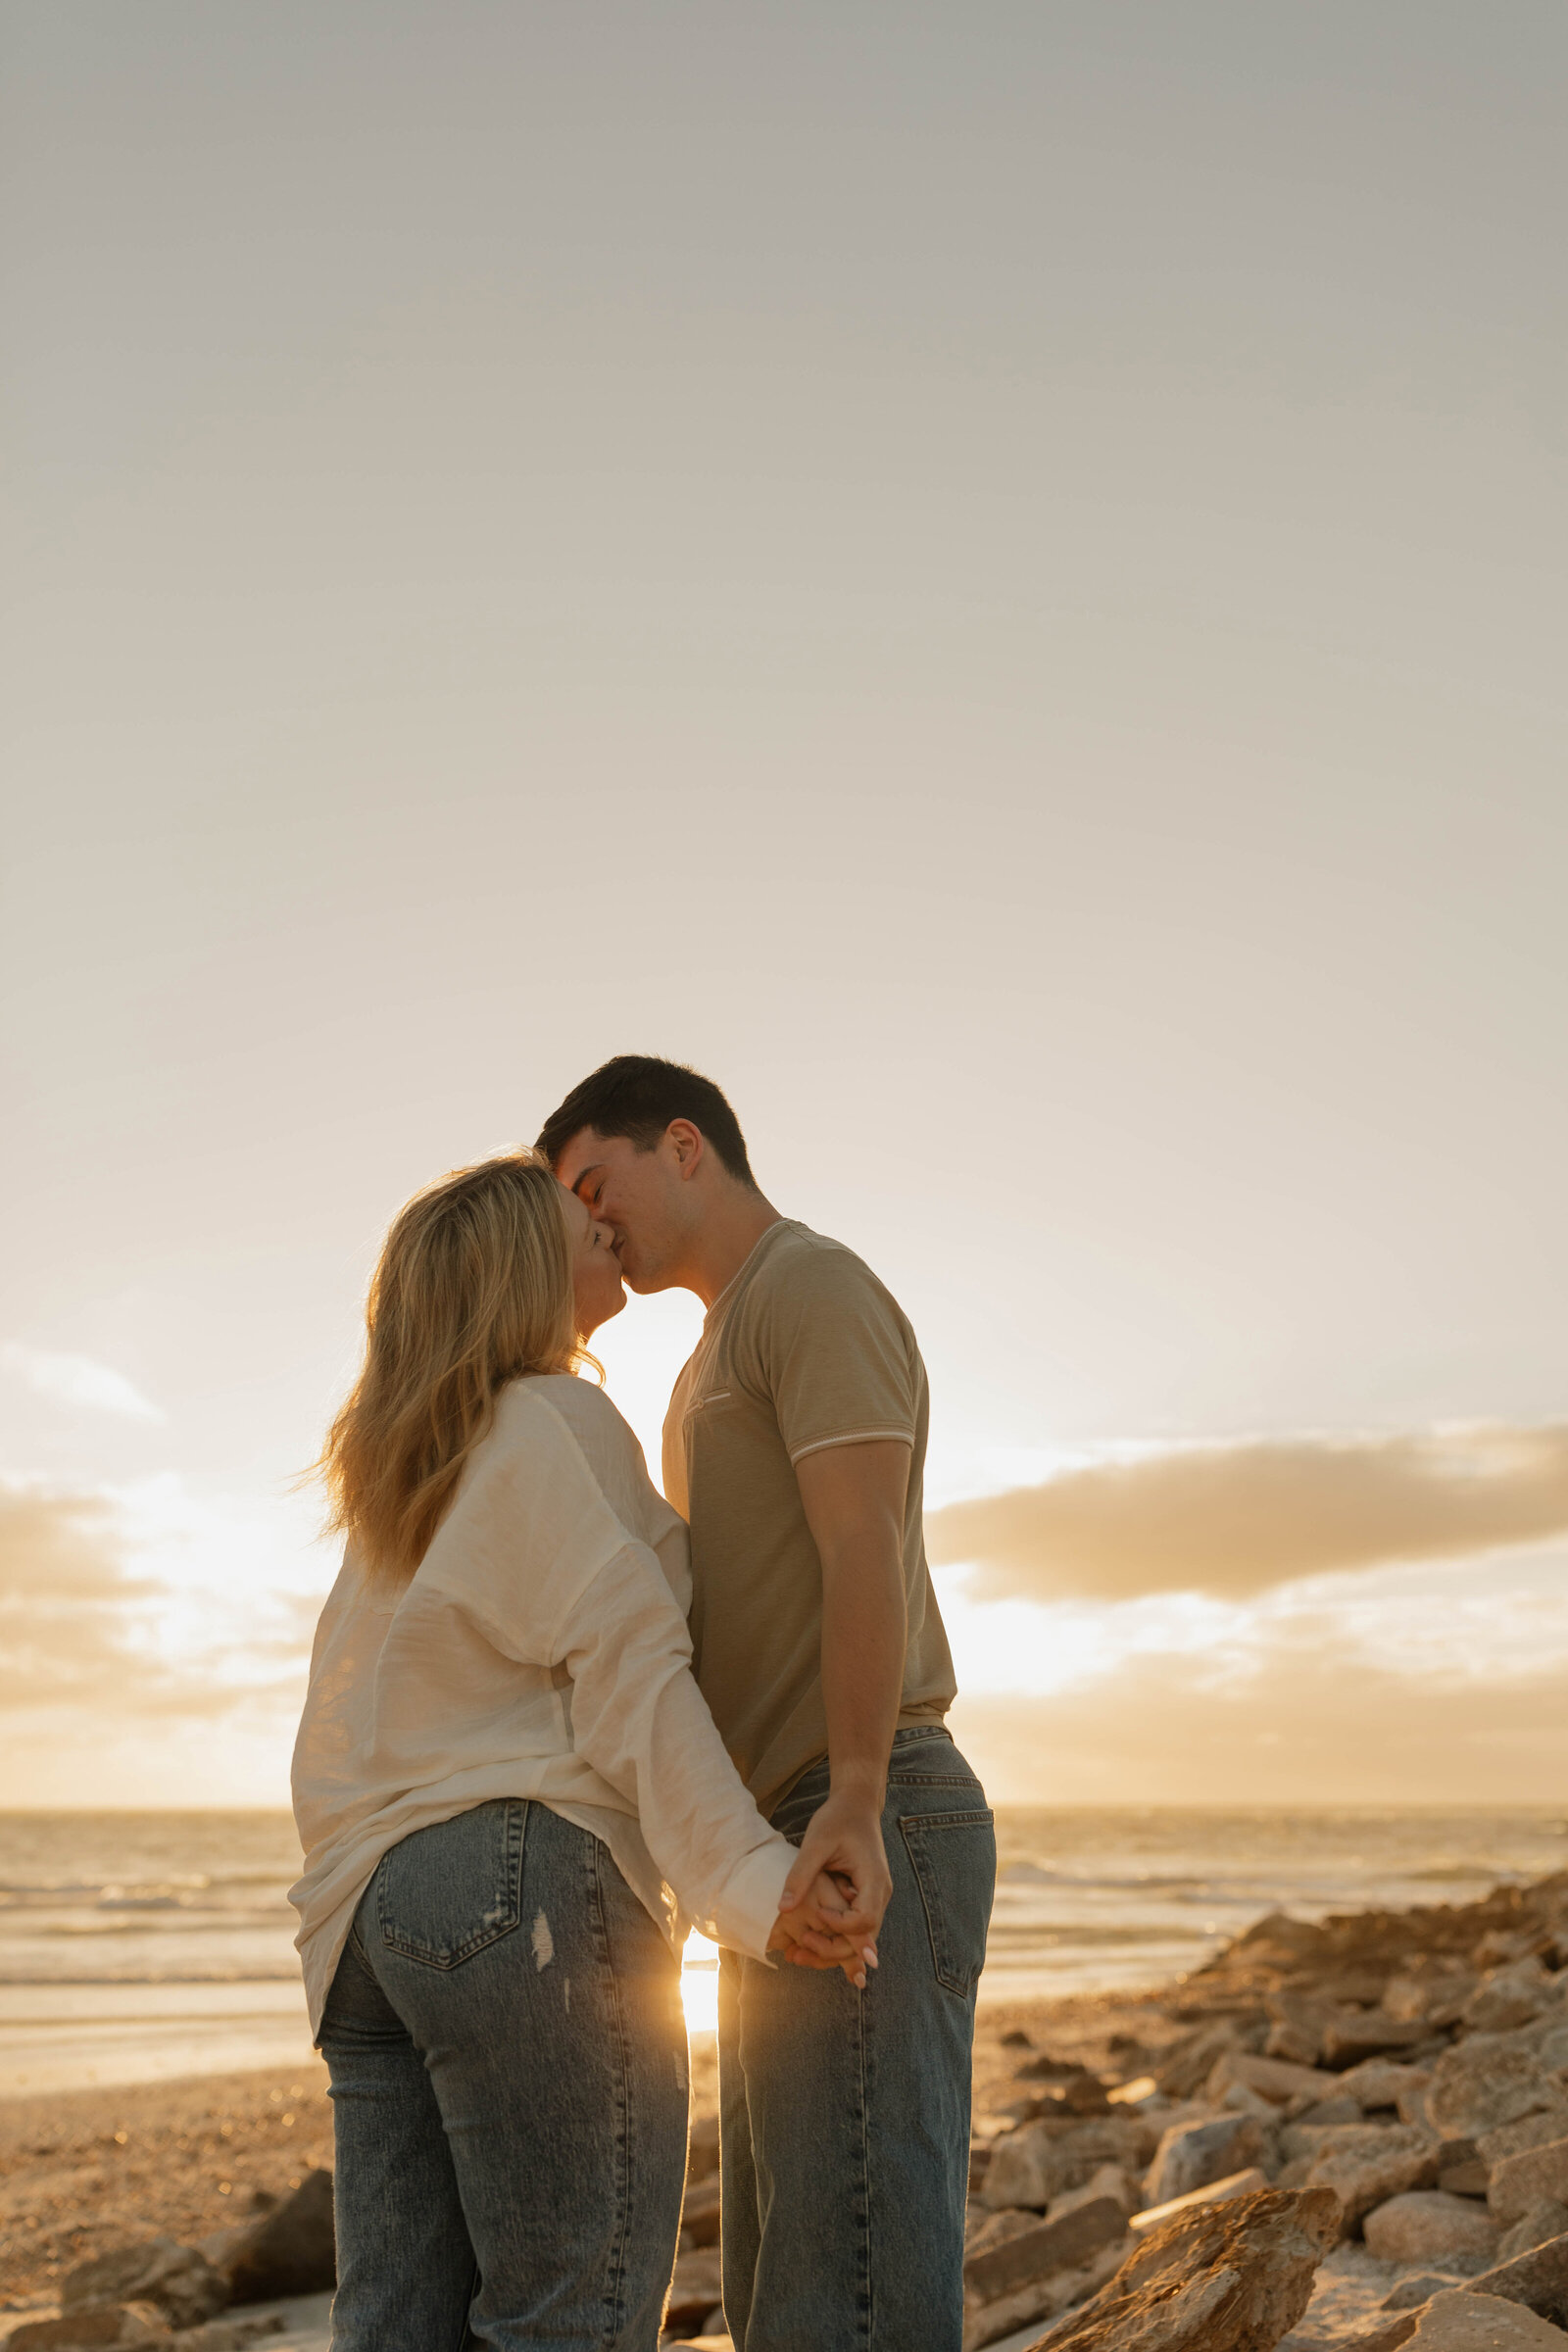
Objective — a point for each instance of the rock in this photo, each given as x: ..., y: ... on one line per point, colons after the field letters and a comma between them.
x: 1189, y: 2063
x: 1510, y: 1996
x: 1382, y: 2082
x: 1041, y: 2298
x: 698, y: 2284
x: 105, y: 2327
x: 698, y: 2216
x: 1129, y: 2140
x: 984, y: 2229
x: 1322, y: 2112
x: 228, y: 2336
x: 1272, y: 2079
x: 1239, y: 2100
x: 1537, y: 2228
x: 1300, y: 2045
x: 1436, y: 2000
x: 1531, y: 2178
x: 1369, y: 2169
x: 1190, y: 2155
x: 1238, y: 2184
x: 1016, y: 2039
x: 1356, y: 2034
x: 1458, y: 2321
x: 1418, y: 2288
x: 1530, y: 2132
x: 1227, y: 2277
x: 1539, y: 2279
x: 1085, y: 2094
x: 1462, y: 2169
x: 181, y: 2282
x: 1295, y: 2029
x: 1029, y: 2167
x: 291, y: 2250
x: 1045, y: 2069
x: 701, y: 2148
x: 1424, y: 2225
x: 1491, y: 2079
x: 1106, y: 2181
x: 1051, y: 2245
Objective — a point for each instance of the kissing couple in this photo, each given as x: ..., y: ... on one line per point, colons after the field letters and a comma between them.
x: 555, y: 1718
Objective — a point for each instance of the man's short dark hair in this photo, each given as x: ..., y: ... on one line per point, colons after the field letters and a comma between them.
x: 636, y: 1095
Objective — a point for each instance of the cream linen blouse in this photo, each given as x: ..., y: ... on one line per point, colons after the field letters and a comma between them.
x: 540, y: 1650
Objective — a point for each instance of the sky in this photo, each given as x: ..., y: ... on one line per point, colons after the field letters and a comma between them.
x: 989, y: 577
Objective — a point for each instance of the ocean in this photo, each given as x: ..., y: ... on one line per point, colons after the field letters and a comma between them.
x: 137, y: 1946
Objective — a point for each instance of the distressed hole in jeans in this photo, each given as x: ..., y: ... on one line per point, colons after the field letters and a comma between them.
x: 544, y: 1944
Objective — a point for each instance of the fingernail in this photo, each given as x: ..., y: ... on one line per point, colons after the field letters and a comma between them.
x: 868, y: 1956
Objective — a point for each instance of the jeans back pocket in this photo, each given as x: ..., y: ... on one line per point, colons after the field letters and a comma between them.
x: 445, y: 1893
x: 953, y: 1857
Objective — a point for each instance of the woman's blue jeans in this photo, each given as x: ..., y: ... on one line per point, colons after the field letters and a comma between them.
x: 846, y: 2114
x: 508, y: 2054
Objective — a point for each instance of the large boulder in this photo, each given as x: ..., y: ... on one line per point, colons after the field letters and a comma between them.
x: 1424, y: 2225
x: 1458, y: 2321
x: 1190, y: 2155
x: 1539, y: 2279
x: 291, y: 2250
x: 181, y: 2282
x: 1374, y: 2166
x: 1229, y: 2278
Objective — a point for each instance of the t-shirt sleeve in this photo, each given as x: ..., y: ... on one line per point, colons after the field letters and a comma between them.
x: 834, y: 1357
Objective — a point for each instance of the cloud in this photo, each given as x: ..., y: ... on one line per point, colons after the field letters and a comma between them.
x: 1235, y: 1520
x: 80, y: 1631
x: 1303, y: 1723
x: 75, y: 1380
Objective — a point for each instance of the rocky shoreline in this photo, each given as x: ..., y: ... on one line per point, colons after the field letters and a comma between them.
x: 1351, y: 2134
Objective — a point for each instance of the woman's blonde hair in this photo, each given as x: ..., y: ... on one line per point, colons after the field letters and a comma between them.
x: 473, y: 1288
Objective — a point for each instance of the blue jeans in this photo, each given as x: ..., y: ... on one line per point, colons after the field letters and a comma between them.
x: 508, y: 2054
x: 845, y: 2115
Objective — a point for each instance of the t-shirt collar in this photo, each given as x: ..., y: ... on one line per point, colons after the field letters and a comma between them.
x: 727, y: 1293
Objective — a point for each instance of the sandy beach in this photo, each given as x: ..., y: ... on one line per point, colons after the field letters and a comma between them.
x: 85, y: 2171
x: 1356, y: 2122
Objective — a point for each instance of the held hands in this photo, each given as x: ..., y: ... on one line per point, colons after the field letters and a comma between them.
x: 835, y: 1896
x: 814, y: 1932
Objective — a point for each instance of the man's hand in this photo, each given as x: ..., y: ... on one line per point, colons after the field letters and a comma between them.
x: 813, y: 1933
x: 844, y: 1842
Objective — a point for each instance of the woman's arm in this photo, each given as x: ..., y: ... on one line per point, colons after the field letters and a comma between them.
x: 640, y: 1720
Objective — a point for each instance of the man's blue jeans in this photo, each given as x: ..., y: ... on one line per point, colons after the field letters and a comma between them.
x: 508, y: 2054
x: 846, y: 2114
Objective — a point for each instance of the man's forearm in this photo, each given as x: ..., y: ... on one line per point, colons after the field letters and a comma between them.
x: 864, y: 1632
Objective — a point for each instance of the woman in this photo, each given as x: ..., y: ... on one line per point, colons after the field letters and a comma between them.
x: 503, y: 1771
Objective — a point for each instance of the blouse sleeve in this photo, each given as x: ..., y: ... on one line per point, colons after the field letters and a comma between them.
x: 533, y: 1551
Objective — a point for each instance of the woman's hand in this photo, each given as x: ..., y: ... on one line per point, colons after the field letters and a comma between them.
x: 810, y: 1935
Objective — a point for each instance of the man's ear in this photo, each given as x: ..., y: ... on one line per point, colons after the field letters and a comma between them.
x: 686, y: 1143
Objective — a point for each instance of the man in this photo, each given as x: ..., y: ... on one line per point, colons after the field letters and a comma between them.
x: 795, y: 1446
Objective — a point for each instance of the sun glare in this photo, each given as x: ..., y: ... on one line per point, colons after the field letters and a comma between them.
x: 698, y: 1984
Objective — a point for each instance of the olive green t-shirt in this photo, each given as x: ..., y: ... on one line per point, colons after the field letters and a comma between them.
x: 804, y: 1349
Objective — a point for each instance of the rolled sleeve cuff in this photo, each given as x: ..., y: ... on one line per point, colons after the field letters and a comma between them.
x: 745, y: 1913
